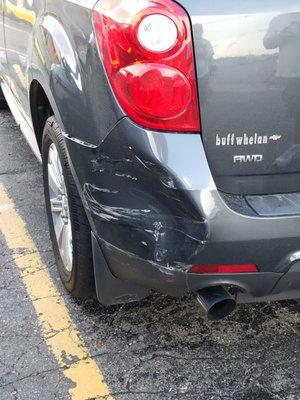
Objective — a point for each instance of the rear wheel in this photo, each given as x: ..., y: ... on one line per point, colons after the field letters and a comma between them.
x: 69, y: 228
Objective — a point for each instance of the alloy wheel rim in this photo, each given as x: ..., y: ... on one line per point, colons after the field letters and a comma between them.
x: 60, y: 211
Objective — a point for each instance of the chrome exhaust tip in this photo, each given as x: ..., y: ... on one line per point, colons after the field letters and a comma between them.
x: 216, y: 302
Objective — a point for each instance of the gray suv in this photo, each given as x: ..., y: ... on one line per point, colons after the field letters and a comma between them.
x: 169, y: 134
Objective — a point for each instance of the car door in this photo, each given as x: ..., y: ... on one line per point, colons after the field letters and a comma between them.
x: 19, y: 21
x: 4, y: 70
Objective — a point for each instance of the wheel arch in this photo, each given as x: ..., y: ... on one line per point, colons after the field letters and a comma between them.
x: 40, y: 109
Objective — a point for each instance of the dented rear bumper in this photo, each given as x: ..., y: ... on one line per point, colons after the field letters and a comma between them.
x: 155, y: 210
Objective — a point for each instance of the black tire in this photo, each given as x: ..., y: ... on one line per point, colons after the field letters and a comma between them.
x: 3, y: 104
x: 80, y: 280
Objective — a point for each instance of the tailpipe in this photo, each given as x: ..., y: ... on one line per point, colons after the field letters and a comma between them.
x: 216, y: 302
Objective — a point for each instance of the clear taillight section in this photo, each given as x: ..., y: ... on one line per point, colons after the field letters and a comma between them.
x: 146, y: 47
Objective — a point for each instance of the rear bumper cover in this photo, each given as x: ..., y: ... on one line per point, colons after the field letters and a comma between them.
x: 252, y: 287
x: 155, y: 210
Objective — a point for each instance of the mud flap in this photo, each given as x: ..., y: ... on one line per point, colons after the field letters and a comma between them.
x: 109, y: 289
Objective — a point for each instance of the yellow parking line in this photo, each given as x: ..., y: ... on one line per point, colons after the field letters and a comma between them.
x: 58, y: 329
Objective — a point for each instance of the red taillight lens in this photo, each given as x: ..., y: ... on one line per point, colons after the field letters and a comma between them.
x: 223, y: 269
x: 147, y: 51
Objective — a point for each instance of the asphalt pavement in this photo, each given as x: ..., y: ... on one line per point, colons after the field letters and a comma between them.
x: 159, y: 348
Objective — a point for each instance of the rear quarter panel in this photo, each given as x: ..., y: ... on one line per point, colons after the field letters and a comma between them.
x: 67, y: 64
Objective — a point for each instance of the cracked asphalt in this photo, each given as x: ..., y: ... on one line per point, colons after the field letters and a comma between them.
x: 160, y: 348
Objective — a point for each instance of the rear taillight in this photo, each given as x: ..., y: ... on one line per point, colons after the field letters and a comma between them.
x: 146, y: 47
x: 223, y: 269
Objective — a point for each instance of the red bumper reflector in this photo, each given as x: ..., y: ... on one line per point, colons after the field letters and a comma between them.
x: 223, y: 269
